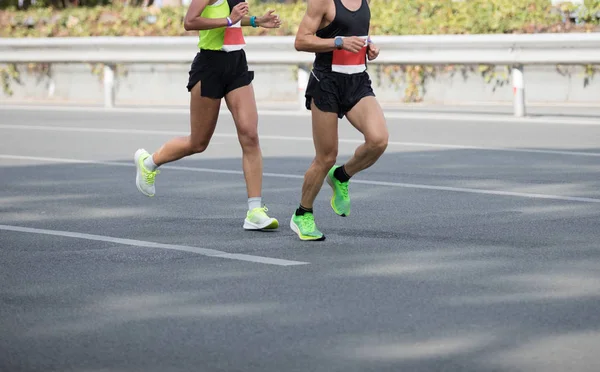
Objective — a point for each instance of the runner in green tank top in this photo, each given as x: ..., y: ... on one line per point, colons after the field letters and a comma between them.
x: 220, y: 70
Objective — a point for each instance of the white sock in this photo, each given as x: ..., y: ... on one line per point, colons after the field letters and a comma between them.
x: 149, y: 164
x: 254, y: 203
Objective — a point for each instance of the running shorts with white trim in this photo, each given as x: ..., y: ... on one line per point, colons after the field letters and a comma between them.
x: 336, y: 92
x: 219, y: 72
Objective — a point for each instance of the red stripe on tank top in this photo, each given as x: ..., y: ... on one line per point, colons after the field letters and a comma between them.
x: 346, y: 58
x: 233, y: 36
x: 346, y: 62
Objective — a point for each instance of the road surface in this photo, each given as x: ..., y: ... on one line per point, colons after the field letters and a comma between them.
x: 472, y: 246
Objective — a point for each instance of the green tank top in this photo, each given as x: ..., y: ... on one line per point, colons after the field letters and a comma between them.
x: 226, y: 39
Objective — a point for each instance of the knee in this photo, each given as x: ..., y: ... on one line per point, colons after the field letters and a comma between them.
x: 377, y: 143
x: 197, y: 146
x: 248, y: 138
x: 326, y: 160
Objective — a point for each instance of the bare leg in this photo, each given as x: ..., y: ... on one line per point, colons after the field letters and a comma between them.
x: 242, y: 104
x: 204, y: 113
x: 367, y: 116
x: 325, y: 138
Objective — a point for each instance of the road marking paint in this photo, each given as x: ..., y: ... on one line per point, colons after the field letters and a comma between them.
x: 145, y: 244
x: 293, y: 138
x: 462, y: 117
x: 293, y: 176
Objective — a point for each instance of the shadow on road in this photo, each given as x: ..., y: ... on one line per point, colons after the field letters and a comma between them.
x: 413, y: 280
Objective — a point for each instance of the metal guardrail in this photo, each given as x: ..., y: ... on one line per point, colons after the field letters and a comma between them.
x: 514, y: 50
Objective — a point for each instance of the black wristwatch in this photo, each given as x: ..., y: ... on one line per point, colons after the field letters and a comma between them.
x: 339, y: 42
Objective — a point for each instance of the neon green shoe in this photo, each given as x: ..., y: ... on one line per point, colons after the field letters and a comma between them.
x: 144, y: 179
x: 340, y: 201
x: 257, y: 219
x: 305, y: 227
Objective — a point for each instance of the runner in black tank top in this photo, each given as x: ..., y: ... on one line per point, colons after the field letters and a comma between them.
x: 337, y: 31
x: 346, y: 23
x: 339, y: 94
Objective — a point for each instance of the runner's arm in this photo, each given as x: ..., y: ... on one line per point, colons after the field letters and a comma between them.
x: 306, y: 40
x: 269, y: 20
x: 246, y: 21
x: 194, y: 22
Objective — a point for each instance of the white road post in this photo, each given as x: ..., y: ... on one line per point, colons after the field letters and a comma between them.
x: 518, y: 90
x: 109, y: 85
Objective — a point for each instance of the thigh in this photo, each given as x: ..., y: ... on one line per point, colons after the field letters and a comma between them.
x: 204, y: 112
x: 242, y: 105
x: 325, y: 132
x: 368, y: 118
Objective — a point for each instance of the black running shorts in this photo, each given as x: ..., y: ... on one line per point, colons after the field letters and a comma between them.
x: 219, y: 72
x: 336, y: 92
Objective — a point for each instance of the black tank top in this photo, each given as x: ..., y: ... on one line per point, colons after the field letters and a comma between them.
x: 345, y: 23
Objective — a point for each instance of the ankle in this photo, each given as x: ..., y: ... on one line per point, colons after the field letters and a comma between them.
x: 301, y: 211
x: 149, y: 164
x: 255, y: 202
x: 341, y: 175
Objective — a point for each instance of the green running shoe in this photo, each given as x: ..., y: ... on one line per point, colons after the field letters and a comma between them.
x: 305, y: 227
x: 340, y: 201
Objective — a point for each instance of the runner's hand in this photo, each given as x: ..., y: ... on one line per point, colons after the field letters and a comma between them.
x: 269, y: 20
x: 353, y: 44
x: 372, y: 51
x: 238, y: 12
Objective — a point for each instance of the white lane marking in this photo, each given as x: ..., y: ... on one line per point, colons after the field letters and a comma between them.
x: 292, y: 138
x: 294, y: 176
x: 481, y: 191
x: 144, y: 244
x: 462, y: 117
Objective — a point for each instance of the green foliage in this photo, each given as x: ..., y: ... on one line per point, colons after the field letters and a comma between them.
x: 588, y: 13
x: 389, y: 17
x: 7, y: 74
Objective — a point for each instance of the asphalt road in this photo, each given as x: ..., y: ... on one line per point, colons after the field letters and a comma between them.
x: 472, y: 246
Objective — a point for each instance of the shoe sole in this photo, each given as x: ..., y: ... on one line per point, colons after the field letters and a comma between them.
x: 136, y: 159
x: 297, y: 231
x: 270, y: 225
x: 330, y: 183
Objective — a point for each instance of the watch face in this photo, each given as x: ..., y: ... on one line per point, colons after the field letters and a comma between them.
x: 338, y: 42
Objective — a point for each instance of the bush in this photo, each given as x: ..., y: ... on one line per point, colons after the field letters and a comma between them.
x: 389, y: 17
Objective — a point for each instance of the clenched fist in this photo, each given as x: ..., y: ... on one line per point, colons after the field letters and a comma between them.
x: 372, y: 51
x: 353, y: 44
x: 238, y: 12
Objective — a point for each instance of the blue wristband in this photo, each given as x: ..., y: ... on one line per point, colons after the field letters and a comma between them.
x: 253, y: 21
x: 229, y: 22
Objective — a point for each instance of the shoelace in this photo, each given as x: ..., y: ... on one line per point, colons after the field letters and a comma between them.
x: 344, y: 189
x: 262, y: 209
x: 149, y: 176
x: 307, y: 223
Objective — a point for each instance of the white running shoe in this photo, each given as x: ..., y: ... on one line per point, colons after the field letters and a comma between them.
x: 257, y: 219
x: 144, y: 179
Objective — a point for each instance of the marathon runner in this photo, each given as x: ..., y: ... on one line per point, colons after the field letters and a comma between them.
x: 339, y: 85
x: 220, y: 70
